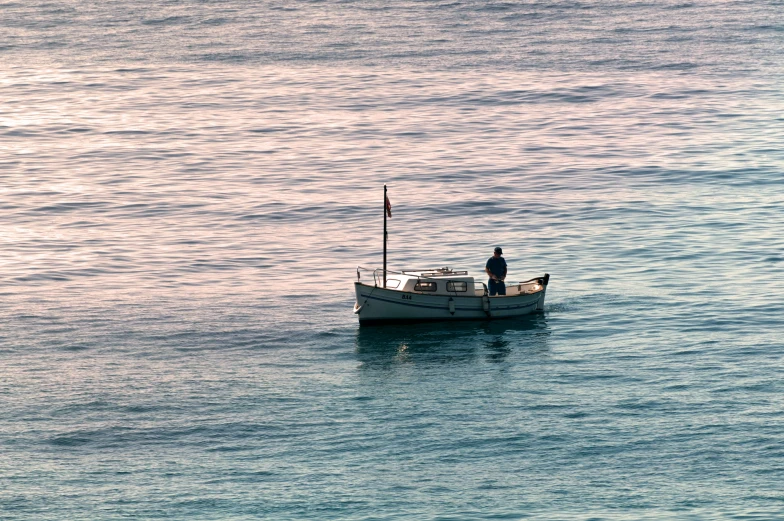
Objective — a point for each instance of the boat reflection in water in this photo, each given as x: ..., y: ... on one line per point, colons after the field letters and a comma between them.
x: 441, y: 342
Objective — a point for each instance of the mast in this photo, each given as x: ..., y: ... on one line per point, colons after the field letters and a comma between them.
x: 385, y: 236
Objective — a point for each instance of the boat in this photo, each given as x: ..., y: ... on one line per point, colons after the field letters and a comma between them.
x: 439, y: 294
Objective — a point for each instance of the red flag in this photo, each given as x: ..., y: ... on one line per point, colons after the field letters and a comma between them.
x: 388, y: 206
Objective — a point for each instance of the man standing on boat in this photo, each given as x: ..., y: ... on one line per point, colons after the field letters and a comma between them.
x: 496, y: 270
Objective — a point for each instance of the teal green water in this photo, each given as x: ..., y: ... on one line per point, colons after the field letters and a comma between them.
x: 186, y: 190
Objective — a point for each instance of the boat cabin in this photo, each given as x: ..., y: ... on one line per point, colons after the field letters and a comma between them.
x: 442, y: 281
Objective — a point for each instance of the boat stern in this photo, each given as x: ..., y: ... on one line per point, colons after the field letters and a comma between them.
x: 543, y: 281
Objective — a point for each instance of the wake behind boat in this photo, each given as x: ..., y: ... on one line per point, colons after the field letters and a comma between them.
x: 440, y: 294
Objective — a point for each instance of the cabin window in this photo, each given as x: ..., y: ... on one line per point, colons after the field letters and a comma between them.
x: 393, y: 283
x: 457, y: 286
x: 422, y: 285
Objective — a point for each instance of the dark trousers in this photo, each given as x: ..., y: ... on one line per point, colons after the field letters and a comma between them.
x: 496, y: 288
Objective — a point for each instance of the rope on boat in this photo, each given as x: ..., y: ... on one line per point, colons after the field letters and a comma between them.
x: 358, y: 310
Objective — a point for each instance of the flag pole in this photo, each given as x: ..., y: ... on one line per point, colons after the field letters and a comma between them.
x: 385, y: 236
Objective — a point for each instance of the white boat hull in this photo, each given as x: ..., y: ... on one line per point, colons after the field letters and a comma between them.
x: 375, y: 304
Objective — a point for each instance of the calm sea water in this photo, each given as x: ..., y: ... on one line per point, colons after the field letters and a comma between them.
x: 186, y: 189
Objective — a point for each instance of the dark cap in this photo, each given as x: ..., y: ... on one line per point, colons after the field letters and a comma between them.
x: 498, y: 250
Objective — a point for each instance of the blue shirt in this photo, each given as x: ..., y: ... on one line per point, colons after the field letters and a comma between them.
x: 497, y: 266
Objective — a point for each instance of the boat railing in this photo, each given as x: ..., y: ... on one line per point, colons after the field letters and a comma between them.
x: 430, y: 273
x: 437, y: 272
x: 378, y: 276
